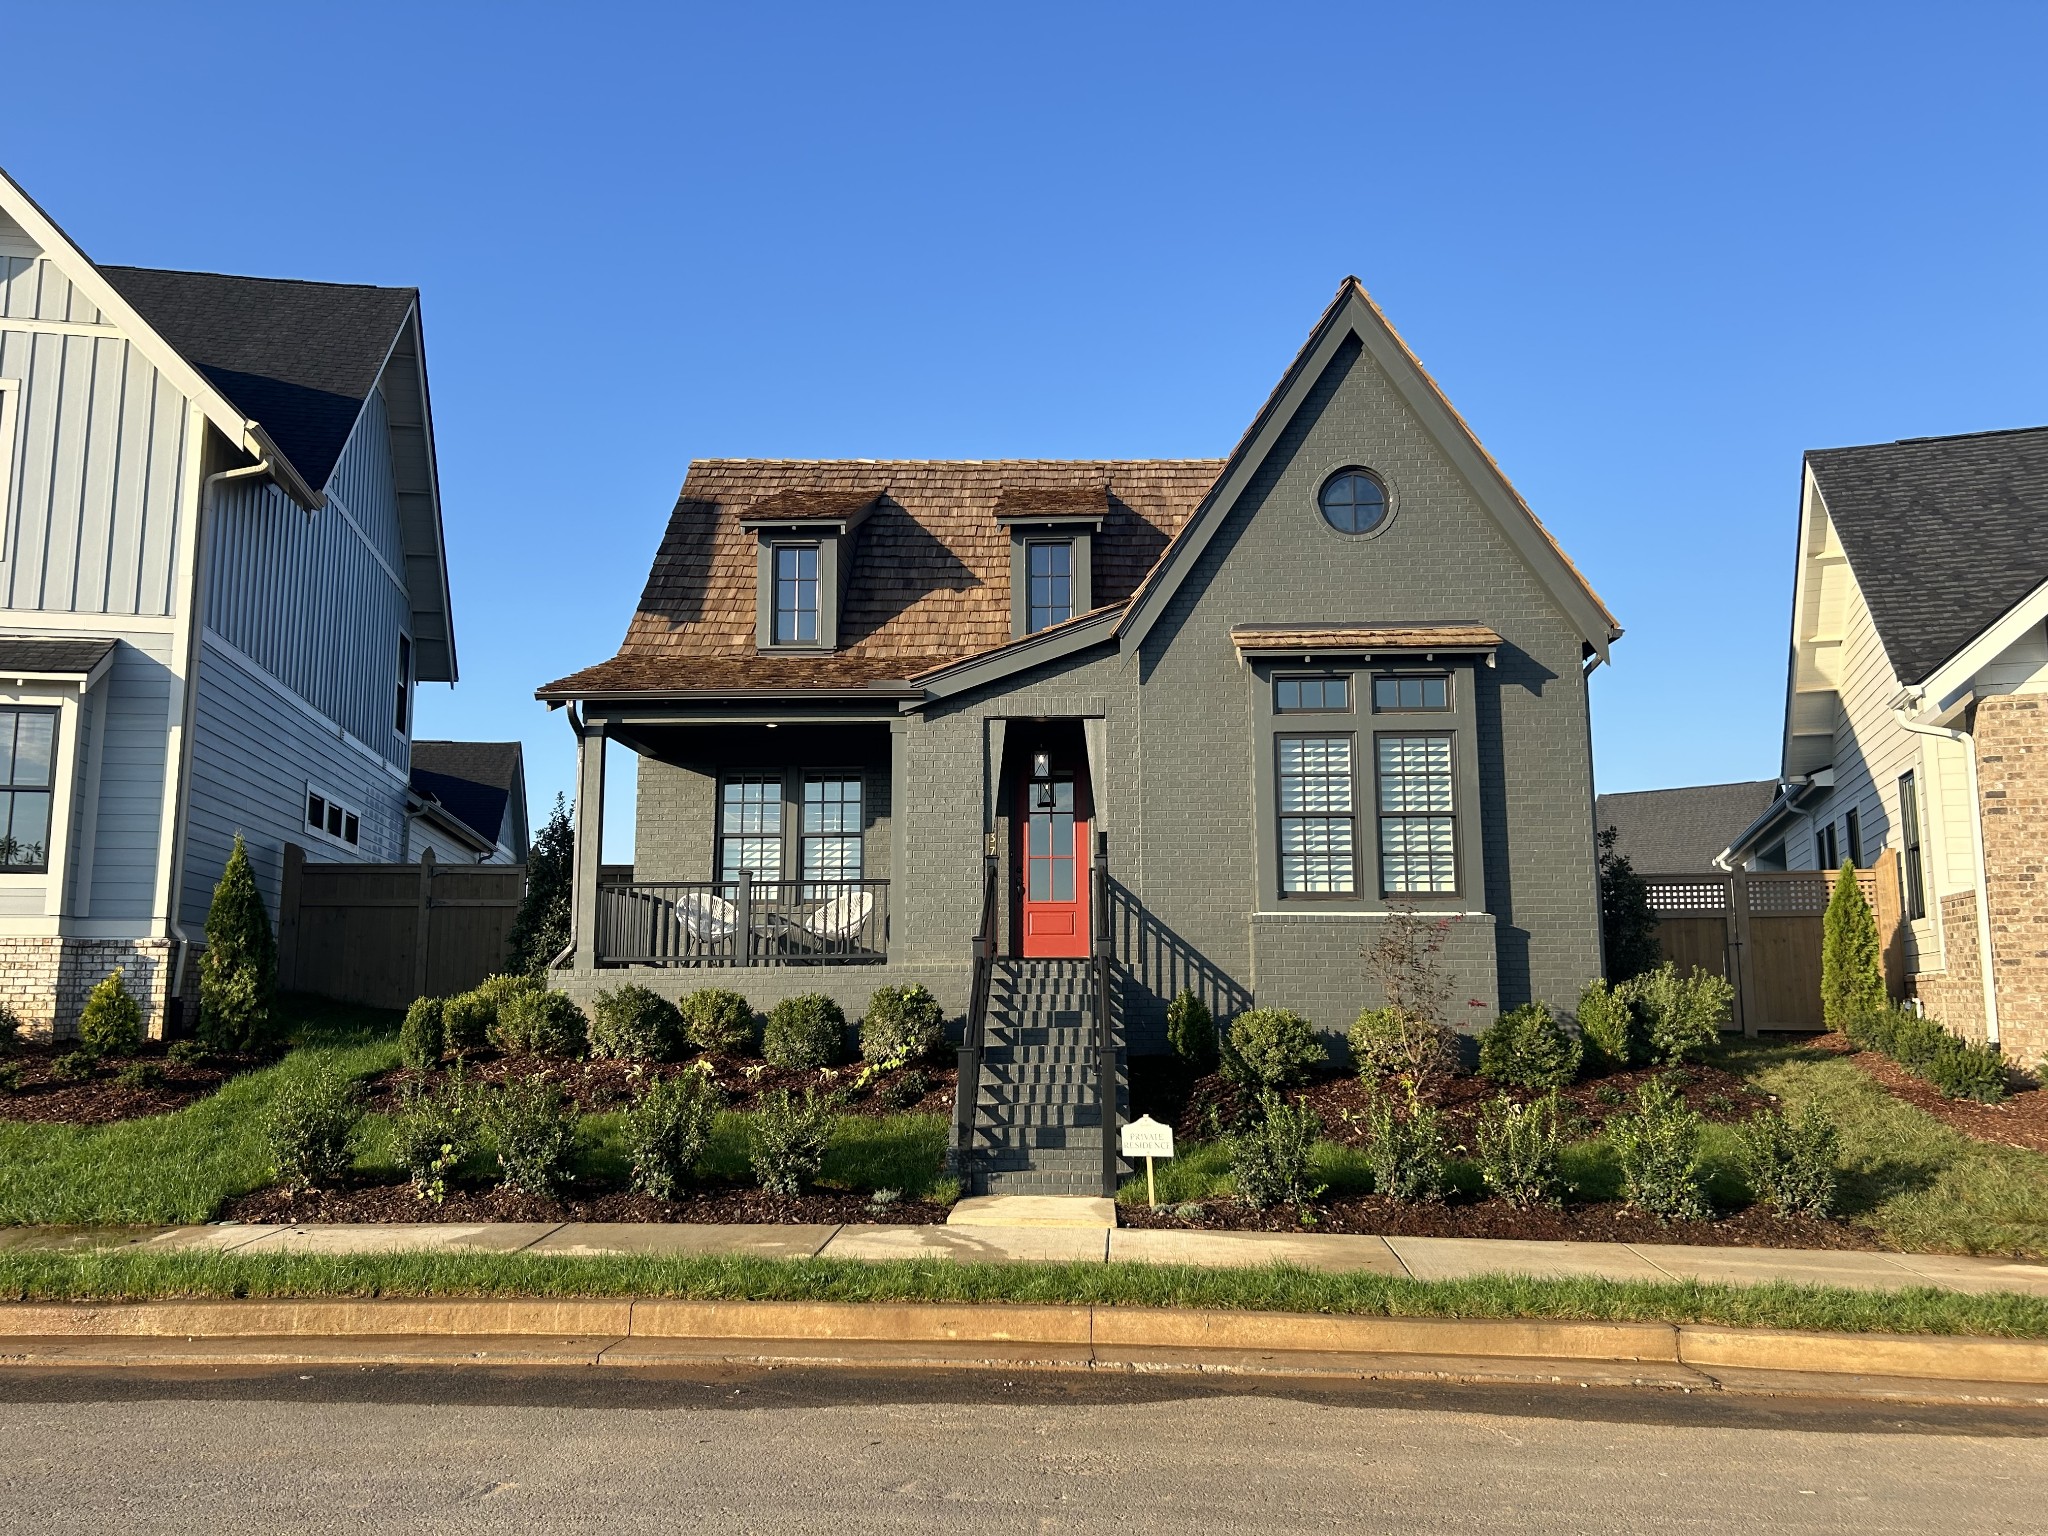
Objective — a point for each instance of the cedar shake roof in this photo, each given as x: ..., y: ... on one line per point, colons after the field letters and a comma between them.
x: 1020, y: 503
x: 802, y: 504
x: 1945, y: 535
x: 1352, y: 637
x: 929, y: 582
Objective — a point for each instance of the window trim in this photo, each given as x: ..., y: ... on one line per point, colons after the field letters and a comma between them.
x: 56, y: 713
x: 1282, y: 816
x: 1348, y: 707
x: 1826, y: 850
x: 1387, y: 502
x: 1912, y: 866
x: 1853, y: 835
x: 776, y: 549
x: 729, y: 777
x: 403, y: 726
x: 1031, y: 578
x: 316, y: 791
x: 1079, y: 534
x: 808, y: 776
x: 1456, y: 816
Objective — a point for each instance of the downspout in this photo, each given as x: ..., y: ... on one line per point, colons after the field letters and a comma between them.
x: 1599, y: 901
x: 208, y: 491
x: 1986, y: 964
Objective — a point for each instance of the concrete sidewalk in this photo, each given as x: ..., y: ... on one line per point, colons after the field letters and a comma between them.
x: 1422, y: 1258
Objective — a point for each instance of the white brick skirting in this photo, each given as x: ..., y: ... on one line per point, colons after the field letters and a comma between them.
x: 45, y: 980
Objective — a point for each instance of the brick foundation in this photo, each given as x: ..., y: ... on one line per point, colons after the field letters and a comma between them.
x: 45, y: 980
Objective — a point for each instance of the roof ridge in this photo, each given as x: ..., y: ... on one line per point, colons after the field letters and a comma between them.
x: 250, y: 277
x: 872, y: 463
x: 1938, y: 437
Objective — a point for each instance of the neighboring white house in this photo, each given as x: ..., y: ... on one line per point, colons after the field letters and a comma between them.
x: 1915, y: 711
x: 221, y: 579
x: 469, y: 802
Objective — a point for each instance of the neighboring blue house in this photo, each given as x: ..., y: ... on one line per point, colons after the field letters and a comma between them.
x: 469, y: 802
x: 222, y: 577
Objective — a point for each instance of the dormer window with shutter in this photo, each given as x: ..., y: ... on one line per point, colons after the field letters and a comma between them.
x: 806, y: 550
x: 1052, y: 552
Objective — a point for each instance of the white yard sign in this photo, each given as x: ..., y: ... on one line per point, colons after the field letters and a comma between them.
x: 1147, y: 1138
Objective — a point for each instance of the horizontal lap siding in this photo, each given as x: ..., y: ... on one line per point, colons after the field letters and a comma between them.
x: 254, y: 752
x: 91, y: 522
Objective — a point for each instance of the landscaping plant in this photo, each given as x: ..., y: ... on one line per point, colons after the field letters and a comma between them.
x: 140, y: 1074
x: 545, y: 1024
x: 190, y: 1053
x: 717, y: 1021
x: 1682, y: 1015
x: 902, y: 1024
x: 1275, y: 1046
x: 238, y: 968
x: 635, y: 1023
x: 422, y: 1038
x: 1378, y: 1043
x: 900, y: 1093
x: 1406, y: 961
x: 1792, y: 1164
x: 1609, y: 1028
x: 1271, y: 1159
x: 1520, y: 1150
x: 532, y: 1129
x: 1851, y: 967
x: 787, y: 1139
x: 1191, y: 1032
x: 72, y: 1067
x: 434, y: 1133
x: 10, y: 1031
x: 1410, y: 1154
x: 1628, y: 928
x: 1967, y: 1070
x: 1960, y: 1069
x: 10, y: 1077
x: 667, y: 1130
x: 805, y: 1032
x: 541, y: 929
x: 309, y: 1128
x: 1658, y: 1146
x: 111, y: 1022
x: 1527, y: 1048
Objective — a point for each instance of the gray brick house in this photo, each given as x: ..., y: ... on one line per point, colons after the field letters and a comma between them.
x: 1201, y: 719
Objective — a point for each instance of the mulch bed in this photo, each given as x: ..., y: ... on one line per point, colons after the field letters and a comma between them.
x: 2020, y: 1121
x: 397, y: 1203
x: 1605, y: 1221
x: 600, y: 1086
x: 103, y: 1098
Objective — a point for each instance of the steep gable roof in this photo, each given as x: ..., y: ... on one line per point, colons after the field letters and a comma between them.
x: 1944, y: 534
x: 299, y: 357
x: 930, y: 577
x: 1352, y: 313
x: 1671, y: 831
x: 475, y: 781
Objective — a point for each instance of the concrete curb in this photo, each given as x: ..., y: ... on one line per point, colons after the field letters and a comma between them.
x: 655, y: 1331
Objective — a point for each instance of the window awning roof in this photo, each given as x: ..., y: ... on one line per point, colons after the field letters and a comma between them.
x: 1364, y: 639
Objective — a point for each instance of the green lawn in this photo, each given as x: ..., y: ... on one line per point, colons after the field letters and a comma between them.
x: 1913, y: 1180
x: 184, y: 1167
x: 131, y: 1275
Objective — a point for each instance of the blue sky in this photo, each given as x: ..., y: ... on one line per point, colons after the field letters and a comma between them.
x: 1651, y: 254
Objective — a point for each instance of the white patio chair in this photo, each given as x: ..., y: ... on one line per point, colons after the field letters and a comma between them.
x: 706, y: 918
x: 834, y: 923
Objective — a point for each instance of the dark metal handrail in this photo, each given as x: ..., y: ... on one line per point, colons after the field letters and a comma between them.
x: 974, y: 1038
x: 743, y: 921
x: 1104, y: 950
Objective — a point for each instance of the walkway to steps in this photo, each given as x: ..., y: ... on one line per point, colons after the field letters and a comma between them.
x: 1038, y: 1106
x: 1420, y: 1258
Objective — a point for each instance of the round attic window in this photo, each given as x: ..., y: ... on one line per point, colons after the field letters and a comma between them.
x: 1353, y: 501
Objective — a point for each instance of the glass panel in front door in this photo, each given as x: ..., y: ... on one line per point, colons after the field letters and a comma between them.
x: 1049, y: 849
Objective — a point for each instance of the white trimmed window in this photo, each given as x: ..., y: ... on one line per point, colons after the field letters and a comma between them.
x: 28, y: 758
x: 1318, y: 820
x: 1418, y: 828
x: 327, y: 817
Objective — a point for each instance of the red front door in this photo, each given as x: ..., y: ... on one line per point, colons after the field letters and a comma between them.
x: 1054, y: 861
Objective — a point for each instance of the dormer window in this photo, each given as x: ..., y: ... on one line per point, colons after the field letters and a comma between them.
x: 1051, y: 567
x: 796, y: 594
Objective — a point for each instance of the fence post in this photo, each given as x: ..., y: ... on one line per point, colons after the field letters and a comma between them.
x: 1744, y: 968
x: 288, y: 918
x: 426, y: 924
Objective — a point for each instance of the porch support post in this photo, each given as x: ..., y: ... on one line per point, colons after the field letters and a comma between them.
x: 992, y: 772
x: 899, y: 802
x: 589, y: 838
x: 1095, y: 734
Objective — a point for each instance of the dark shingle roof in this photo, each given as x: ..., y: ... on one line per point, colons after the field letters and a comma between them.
x: 57, y: 657
x: 473, y: 780
x: 1945, y: 534
x: 297, y: 357
x: 1673, y: 831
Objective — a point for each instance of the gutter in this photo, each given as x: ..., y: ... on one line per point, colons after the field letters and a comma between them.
x: 263, y: 467
x: 1987, y: 964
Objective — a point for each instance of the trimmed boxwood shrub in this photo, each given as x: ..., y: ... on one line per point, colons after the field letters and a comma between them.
x: 1191, y: 1032
x: 1378, y: 1042
x: 635, y: 1023
x: 111, y: 1023
x: 469, y: 1019
x: 718, y: 1022
x: 806, y: 1031
x: 542, y: 1024
x: 421, y: 1038
x: 1682, y: 1015
x: 902, y: 1024
x: 1526, y: 1048
x: 1276, y: 1046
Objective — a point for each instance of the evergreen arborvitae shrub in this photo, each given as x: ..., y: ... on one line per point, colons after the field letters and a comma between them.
x: 542, y: 928
x: 718, y: 1021
x: 1851, y: 966
x: 1527, y: 1048
x: 421, y: 1038
x: 635, y: 1023
x: 1276, y: 1046
x: 111, y: 1023
x: 1191, y: 1032
x: 804, y: 1032
x: 901, y: 1025
x: 1609, y: 1030
x: 238, y: 971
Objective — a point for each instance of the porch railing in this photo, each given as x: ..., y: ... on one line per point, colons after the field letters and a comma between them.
x: 743, y: 922
x: 974, y: 1038
x: 1102, y: 956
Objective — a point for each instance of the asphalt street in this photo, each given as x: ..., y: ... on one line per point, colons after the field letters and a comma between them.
x: 753, y: 1449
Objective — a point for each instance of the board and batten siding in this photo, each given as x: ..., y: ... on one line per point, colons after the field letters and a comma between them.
x: 134, y: 741
x: 256, y: 750
x: 91, y: 522
x: 316, y: 599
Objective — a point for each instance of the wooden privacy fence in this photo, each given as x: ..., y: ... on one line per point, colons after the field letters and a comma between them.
x: 1763, y: 932
x: 383, y: 934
